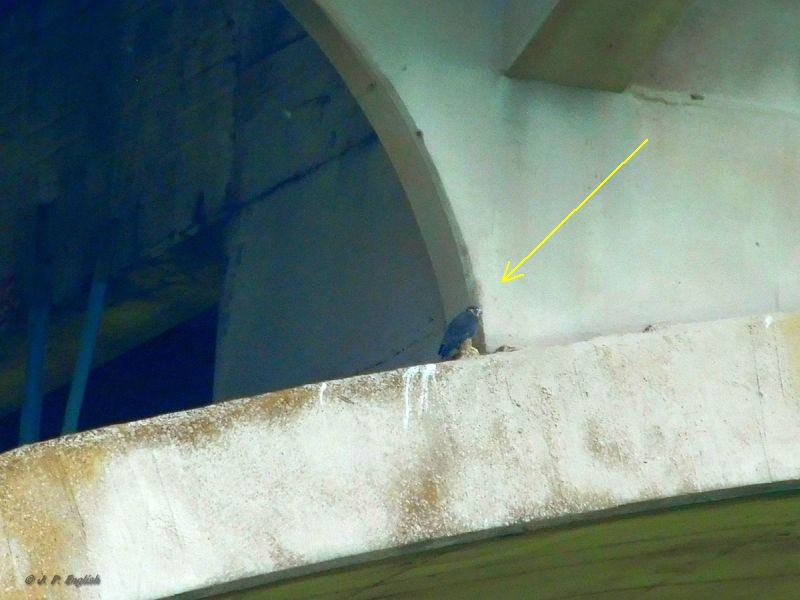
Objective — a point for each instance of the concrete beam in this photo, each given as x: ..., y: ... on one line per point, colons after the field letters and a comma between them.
x: 245, y: 492
x: 143, y: 302
x: 585, y: 43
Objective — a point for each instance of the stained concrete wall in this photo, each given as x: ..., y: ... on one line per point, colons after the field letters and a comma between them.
x: 328, y: 277
x: 246, y: 489
x: 174, y: 116
x: 700, y: 225
x: 116, y: 108
x: 167, y: 113
x: 328, y: 274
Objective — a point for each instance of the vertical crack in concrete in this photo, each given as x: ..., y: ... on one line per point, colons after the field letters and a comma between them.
x: 778, y: 362
x: 11, y: 556
x: 763, y: 424
x: 68, y: 489
x: 166, y: 495
x: 511, y: 397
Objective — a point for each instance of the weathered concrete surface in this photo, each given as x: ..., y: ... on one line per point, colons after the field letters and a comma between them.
x: 225, y: 112
x: 406, y: 146
x: 328, y: 277
x: 121, y: 109
x: 742, y: 549
x: 752, y: 69
x: 596, y: 44
x: 699, y: 226
x: 329, y: 274
x: 250, y: 488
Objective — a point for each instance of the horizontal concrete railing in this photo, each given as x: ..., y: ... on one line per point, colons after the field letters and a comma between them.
x: 287, y: 480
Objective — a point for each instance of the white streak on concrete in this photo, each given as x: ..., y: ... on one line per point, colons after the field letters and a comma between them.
x: 408, y: 377
x: 323, y: 386
x: 428, y: 373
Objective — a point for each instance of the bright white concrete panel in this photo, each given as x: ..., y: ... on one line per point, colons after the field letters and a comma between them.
x: 700, y: 225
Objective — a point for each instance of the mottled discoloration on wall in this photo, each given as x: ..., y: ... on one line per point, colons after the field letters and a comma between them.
x: 226, y: 117
x: 608, y: 446
x: 425, y: 455
x: 39, y: 512
x: 194, y: 430
x: 743, y: 548
x: 421, y: 507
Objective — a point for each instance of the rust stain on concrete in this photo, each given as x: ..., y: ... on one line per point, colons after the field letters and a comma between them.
x: 278, y: 407
x: 39, y: 512
x: 371, y: 388
x: 194, y: 429
x: 604, y: 446
x: 421, y: 508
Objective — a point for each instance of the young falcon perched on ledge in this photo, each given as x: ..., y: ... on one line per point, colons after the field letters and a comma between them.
x: 459, y: 333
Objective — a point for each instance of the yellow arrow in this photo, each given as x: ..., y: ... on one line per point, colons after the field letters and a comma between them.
x: 509, y: 275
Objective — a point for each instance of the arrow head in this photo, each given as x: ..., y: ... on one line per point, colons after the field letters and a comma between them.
x: 509, y: 275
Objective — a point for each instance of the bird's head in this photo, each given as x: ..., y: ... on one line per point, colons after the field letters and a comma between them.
x: 475, y: 310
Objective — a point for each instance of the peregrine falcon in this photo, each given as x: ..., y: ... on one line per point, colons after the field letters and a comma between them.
x: 460, y: 329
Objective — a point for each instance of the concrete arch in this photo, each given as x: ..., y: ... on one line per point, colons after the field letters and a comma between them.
x: 405, y: 145
x: 344, y: 259
x: 224, y: 105
x: 515, y: 156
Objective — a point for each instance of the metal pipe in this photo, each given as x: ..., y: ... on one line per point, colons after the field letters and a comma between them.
x: 38, y: 312
x: 91, y: 325
x: 31, y: 415
x: 83, y: 365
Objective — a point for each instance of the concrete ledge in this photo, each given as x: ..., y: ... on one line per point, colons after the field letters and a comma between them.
x: 253, y: 487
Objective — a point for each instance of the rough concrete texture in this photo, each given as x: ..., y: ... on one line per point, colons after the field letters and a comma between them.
x: 207, y: 110
x: 736, y: 549
x: 252, y: 487
x: 699, y: 226
x: 169, y: 114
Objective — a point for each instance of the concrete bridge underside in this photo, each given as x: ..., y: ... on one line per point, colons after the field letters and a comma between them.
x: 660, y: 465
